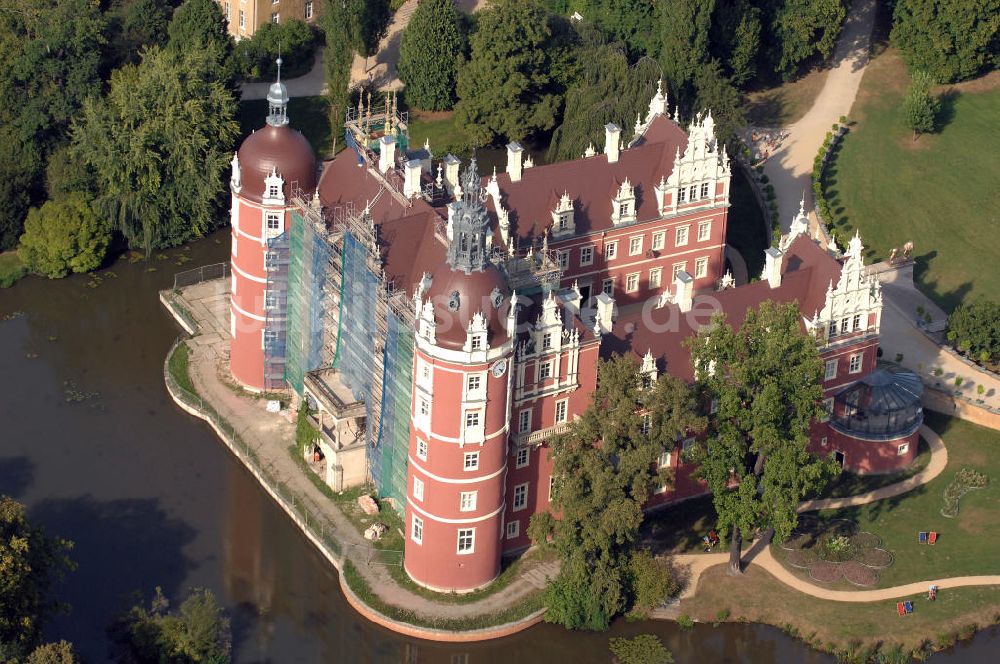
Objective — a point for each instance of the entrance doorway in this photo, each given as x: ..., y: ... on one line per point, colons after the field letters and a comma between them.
x: 584, y: 296
x: 838, y: 456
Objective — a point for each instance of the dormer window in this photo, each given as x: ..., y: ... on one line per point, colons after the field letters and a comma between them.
x: 272, y: 191
x: 623, y: 205
x: 562, y: 216
x: 547, y: 341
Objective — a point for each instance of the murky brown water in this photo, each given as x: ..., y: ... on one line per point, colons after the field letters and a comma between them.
x: 152, y: 498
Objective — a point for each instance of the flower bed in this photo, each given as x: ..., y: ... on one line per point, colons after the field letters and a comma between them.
x: 966, y: 480
x: 835, y: 550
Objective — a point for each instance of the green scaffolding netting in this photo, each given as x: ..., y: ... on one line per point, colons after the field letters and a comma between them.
x: 308, y: 300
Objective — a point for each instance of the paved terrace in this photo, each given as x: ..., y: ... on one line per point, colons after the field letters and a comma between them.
x: 269, y: 435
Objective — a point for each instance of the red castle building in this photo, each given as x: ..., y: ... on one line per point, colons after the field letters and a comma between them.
x: 467, y: 314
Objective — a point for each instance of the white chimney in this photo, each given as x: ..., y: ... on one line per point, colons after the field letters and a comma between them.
x: 571, y: 300
x: 772, y: 266
x: 515, y: 153
x: 411, y: 178
x: 612, y: 138
x: 683, y: 291
x: 387, y: 153
x: 605, y: 312
x: 451, y: 164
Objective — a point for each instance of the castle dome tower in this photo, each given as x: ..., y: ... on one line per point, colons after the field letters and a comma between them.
x: 271, y: 164
x: 457, y: 466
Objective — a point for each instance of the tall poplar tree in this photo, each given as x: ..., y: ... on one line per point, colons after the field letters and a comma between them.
x: 431, y: 52
x: 604, y: 469
x: 767, y: 378
x: 684, y: 28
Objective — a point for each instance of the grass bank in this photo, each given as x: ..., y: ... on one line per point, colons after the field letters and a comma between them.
x: 968, y: 544
x: 784, y: 104
x: 840, y: 627
x: 937, y: 191
x: 11, y: 269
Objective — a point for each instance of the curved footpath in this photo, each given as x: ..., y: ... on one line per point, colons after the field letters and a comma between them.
x: 695, y: 564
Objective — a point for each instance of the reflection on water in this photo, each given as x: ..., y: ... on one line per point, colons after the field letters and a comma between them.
x: 96, y: 449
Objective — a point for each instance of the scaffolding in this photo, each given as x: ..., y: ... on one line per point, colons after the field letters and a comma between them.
x: 275, y: 303
x: 310, y: 284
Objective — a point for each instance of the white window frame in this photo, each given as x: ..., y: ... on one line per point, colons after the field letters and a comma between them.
x: 587, y: 255
x: 659, y: 240
x: 467, y: 501
x: 682, y: 195
x: 655, y: 277
x: 243, y: 20
x: 520, y: 497
x: 682, y: 235
x: 704, y: 191
x: 608, y: 287
x: 270, y: 300
x: 476, y: 342
x: 704, y: 230
x: 470, y: 461
x: 664, y: 459
x: 611, y: 250
x: 468, y: 534
x: 418, y: 488
x: 632, y: 282
x: 562, y: 256
x: 701, y: 267
x: 417, y: 529
x: 562, y: 410
x: 635, y: 245
x: 513, y: 529
x: 475, y: 387
x: 546, y: 341
x: 902, y: 449
x: 522, y: 458
x: 830, y: 372
x: 827, y: 409
x: 857, y: 363
x: 544, y: 371
x: 308, y: 10
x: 421, y: 449
x: 856, y: 323
x: 552, y: 484
x: 524, y: 421
x: 678, y: 267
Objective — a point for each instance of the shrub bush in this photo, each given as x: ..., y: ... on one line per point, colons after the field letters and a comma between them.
x: 295, y: 40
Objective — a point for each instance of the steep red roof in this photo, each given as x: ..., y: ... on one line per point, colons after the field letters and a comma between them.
x: 592, y: 183
x: 807, y: 271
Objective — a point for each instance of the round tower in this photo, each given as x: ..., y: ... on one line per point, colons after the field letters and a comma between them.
x: 270, y: 164
x: 461, y: 405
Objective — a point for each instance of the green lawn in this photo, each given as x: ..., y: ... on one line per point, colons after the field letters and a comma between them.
x: 938, y: 191
x: 967, y: 545
x: 784, y: 104
x: 310, y: 115
x: 440, y: 129
x: 11, y: 268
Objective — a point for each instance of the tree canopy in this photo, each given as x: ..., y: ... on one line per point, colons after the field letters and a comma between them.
x: 974, y: 328
x: 198, y: 632
x: 802, y: 29
x: 64, y: 236
x: 337, y: 57
x: 509, y: 88
x: 920, y: 107
x: 159, y: 143
x: 684, y: 29
x: 952, y: 40
x: 430, y: 55
x: 607, y: 90
x: 29, y: 563
x: 767, y: 380
x: 292, y: 39
x: 604, y: 469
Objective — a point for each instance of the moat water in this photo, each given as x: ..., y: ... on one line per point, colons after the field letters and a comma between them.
x: 94, y: 446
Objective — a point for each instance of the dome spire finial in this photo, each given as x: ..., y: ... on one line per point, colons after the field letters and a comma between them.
x: 277, y: 99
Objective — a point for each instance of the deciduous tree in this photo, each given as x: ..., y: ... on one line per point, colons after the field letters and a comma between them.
x: 430, y: 55
x: 159, y: 143
x: 715, y: 91
x: 767, y: 378
x: 199, y: 25
x: 506, y: 89
x: 198, y: 632
x: 64, y: 236
x: 803, y: 28
x: 607, y: 90
x: 684, y: 40
x: 950, y: 39
x: 604, y: 469
x: 29, y: 562
x: 921, y: 107
x: 974, y: 328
